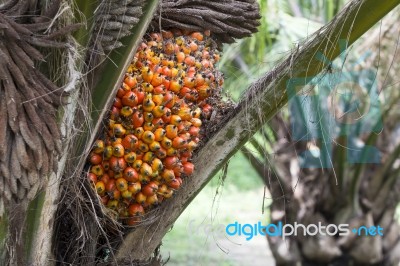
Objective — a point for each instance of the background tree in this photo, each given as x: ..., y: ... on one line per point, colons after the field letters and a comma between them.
x: 290, y: 155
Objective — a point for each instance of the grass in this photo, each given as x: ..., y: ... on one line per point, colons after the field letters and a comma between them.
x: 198, y: 236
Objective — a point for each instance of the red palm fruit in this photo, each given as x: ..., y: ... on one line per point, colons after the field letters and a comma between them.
x: 117, y: 164
x: 117, y: 102
x: 105, y: 178
x: 125, y: 87
x: 140, y: 95
x: 162, y: 189
x: 150, y: 189
x: 181, y: 128
x: 174, y: 184
x: 207, y: 109
x: 121, y: 92
x: 158, y: 123
x: 95, y: 158
x: 169, y: 99
x: 185, y: 92
x: 199, y: 79
x: 135, y: 209
x: 131, y: 175
x: 147, y: 74
x: 188, y: 168
x: 178, y: 143
x: 137, y: 119
x: 167, y: 115
x: 107, y: 152
x: 130, y: 142
x: 170, y: 162
x: 92, y: 177
x: 191, y: 146
x: 110, y: 185
x: 197, y: 35
x: 111, y: 173
x: 130, y: 99
x: 114, y: 113
x: 194, y: 131
x: 161, y: 153
x: 175, y: 85
x: 184, y: 159
x: 166, y: 71
x: 130, y: 81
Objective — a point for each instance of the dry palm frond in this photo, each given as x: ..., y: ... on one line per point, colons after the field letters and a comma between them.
x: 30, y: 137
x: 227, y: 20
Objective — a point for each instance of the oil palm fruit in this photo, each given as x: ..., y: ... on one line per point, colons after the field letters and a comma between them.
x: 155, y: 122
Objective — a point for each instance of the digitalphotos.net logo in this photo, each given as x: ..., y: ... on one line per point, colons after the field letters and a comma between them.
x: 280, y: 230
x: 249, y: 231
x: 335, y: 104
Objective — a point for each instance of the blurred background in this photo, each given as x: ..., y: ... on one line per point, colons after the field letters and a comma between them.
x: 271, y: 180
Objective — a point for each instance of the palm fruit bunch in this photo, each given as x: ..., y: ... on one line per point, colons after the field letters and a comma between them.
x: 155, y: 122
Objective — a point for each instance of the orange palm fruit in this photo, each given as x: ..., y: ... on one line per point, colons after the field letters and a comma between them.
x: 171, y: 131
x: 159, y: 134
x: 100, y: 187
x: 98, y: 146
x: 121, y: 184
x: 118, y: 150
